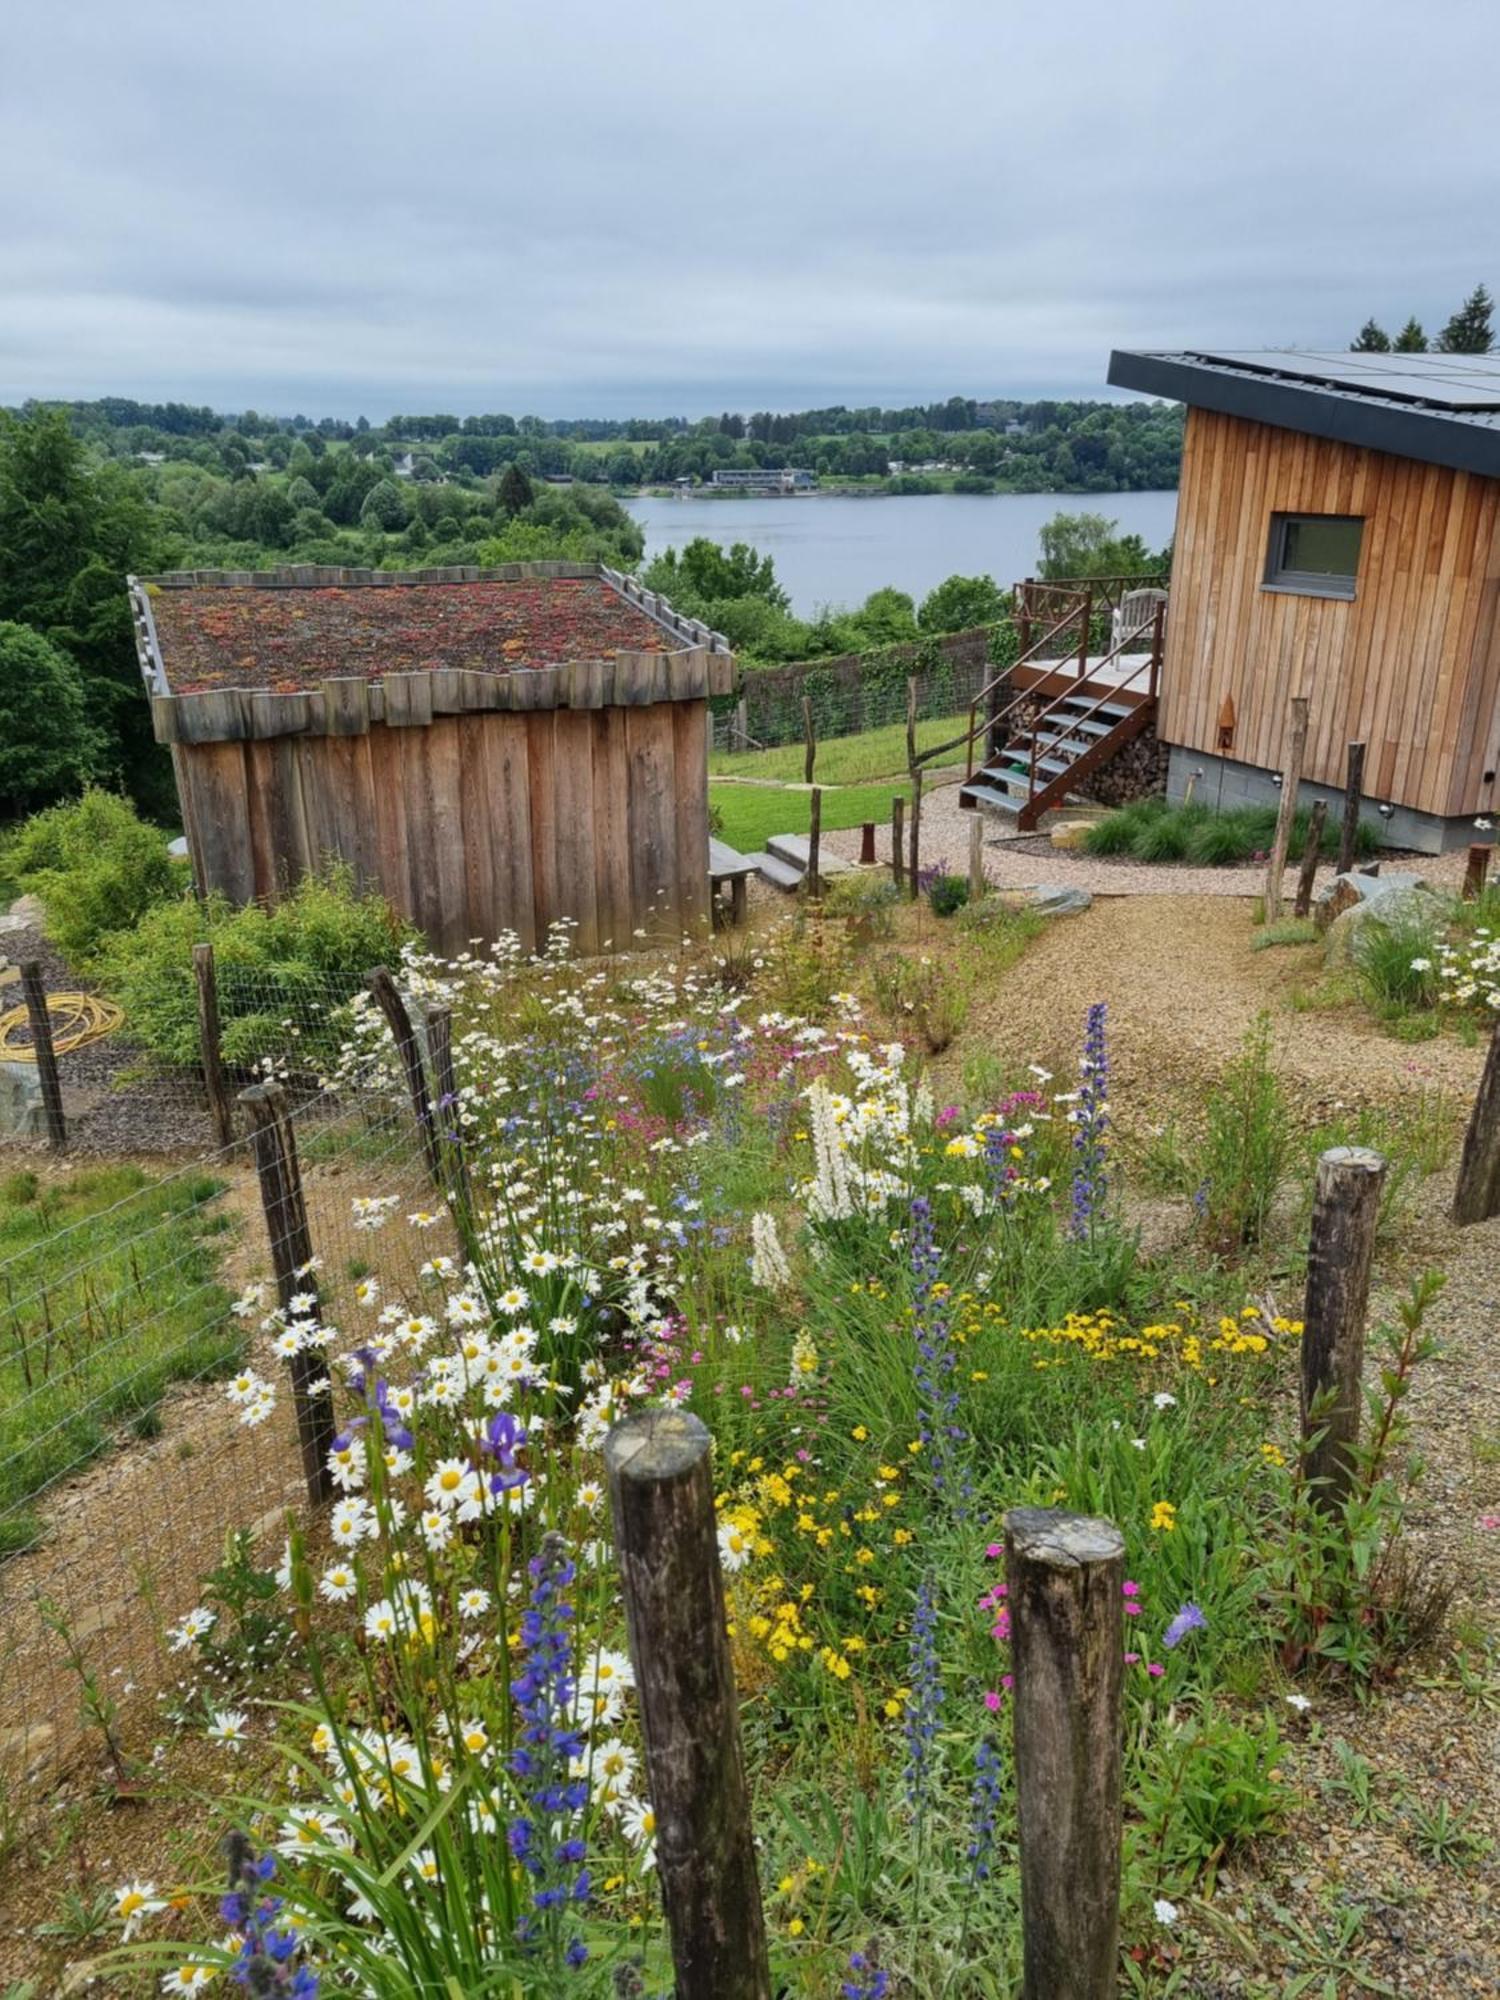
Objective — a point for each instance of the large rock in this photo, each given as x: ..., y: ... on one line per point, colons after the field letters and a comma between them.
x: 1047, y: 899
x: 21, y: 1115
x: 1413, y: 906
x: 1341, y: 892
x: 29, y: 909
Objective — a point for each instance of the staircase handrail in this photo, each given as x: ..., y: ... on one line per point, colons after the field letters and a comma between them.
x: 1150, y: 666
x: 1028, y: 658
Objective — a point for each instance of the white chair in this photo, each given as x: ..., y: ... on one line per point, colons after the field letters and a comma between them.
x: 1133, y: 617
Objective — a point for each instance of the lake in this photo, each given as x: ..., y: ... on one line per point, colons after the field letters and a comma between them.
x: 836, y: 550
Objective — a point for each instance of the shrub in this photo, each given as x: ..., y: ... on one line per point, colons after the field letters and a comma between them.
x: 947, y: 894
x: 96, y: 866
x: 866, y: 902
x: 1152, y: 830
x: 299, y: 963
x: 1395, y: 962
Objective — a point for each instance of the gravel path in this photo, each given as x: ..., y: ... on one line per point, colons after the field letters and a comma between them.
x: 1019, y: 862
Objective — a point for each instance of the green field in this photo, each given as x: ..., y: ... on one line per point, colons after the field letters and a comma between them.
x: 109, y: 1291
x: 842, y: 760
x: 749, y: 814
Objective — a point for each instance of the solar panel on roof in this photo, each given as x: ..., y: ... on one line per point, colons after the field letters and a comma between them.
x: 1448, y: 381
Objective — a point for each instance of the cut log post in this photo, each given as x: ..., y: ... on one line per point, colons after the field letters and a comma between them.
x: 914, y: 855
x: 898, y: 840
x: 450, y: 1131
x: 1477, y: 1195
x: 1064, y: 1574
x: 1475, y: 869
x: 809, y: 736
x: 1291, y: 780
x: 390, y: 1003
x: 1310, y: 855
x: 220, y: 1106
x: 1340, y: 1250
x: 814, y: 844
x: 275, y: 1149
x: 976, y: 855
x: 661, y: 1492
x: 1354, y: 779
x: 867, y: 843
x: 34, y: 993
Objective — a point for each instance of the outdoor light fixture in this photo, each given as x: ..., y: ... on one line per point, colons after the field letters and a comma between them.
x: 1278, y: 779
x: 1386, y: 812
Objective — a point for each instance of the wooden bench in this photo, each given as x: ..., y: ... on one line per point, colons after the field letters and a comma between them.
x: 725, y: 865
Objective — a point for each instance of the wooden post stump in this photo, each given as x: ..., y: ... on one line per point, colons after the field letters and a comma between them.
x: 451, y: 1134
x: 34, y: 993
x: 1310, y: 856
x: 275, y: 1149
x: 661, y: 1492
x: 810, y: 738
x: 1341, y: 1247
x: 976, y: 855
x: 390, y: 1003
x: 1475, y: 869
x: 914, y: 857
x: 867, y: 844
x: 220, y: 1107
x: 1064, y: 1574
x: 898, y: 840
x: 1477, y: 1196
x: 1353, y: 788
x: 1291, y: 780
x: 814, y: 845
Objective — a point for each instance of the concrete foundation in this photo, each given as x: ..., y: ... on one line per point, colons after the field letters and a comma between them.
x: 1223, y: 782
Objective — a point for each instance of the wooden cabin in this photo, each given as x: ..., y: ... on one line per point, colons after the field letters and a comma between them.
x: 1338, y: 536
x: 490, y: 749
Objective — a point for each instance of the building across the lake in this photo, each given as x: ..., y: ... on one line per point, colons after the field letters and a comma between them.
x: 766, y: 479
x: 1338, y: 536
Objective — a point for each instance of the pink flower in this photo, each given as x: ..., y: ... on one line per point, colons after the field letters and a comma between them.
x: 1155, y: 1670
x: 1128, y: 1589
x: 992, y: 1701
x: 1490, y: 1521
x: 1132, y: 1659
x: 1133, y: 1610
x: 994, y: 1549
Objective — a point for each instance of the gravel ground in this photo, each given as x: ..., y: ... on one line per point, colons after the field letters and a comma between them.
x: 107, y: 1112
x: 1019, y: 861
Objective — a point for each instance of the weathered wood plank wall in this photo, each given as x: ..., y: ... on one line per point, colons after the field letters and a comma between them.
x: 1410, y: 665
x: 472, y: 823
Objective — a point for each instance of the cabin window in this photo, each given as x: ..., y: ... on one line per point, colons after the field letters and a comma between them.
x: 1315, y: 554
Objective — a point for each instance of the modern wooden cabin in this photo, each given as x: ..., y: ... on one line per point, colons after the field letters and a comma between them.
x: 1338, y: 536
x: 490, y: 749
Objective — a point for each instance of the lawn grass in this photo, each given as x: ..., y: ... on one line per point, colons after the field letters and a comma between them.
x: 748, y: 814
x: 109, y: 1291
x: 842, y: 760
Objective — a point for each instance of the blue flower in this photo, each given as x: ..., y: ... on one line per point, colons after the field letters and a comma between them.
x: 544, y: 1690
x: 1091, y: 1127
x: 1188, y: 1619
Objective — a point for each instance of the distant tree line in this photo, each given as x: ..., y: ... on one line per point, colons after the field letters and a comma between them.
x: 1468, y: 331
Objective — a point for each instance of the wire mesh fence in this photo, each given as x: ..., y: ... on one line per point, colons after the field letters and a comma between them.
x: 135, y: 1310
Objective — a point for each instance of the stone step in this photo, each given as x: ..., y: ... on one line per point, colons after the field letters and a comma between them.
x: 794, y: 848
x: 780, y: 874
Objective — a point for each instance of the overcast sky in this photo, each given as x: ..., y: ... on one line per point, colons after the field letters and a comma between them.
x: 571, y: 208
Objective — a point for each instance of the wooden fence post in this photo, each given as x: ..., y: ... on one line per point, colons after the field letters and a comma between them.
x: 809, y: 735
x: 1475, y: 869
x: 1291, y: 779
x: 1477, y: 1196
x: 275, y: 1148
x: 383, y: 987
x: 1064, y: 1574
x: 1310, y: 855
x: 1354, y: 780
x: 867, y: 843
x: 1340, y: 1250
x: 814, y: 844
x: 742, y: 722
x: 34, y: 992
x: 914, y: 858
x: 976, y: 855
x: 661, y: 1492
x: 219, y: 1104
x: 898, y: 840
x: 440, y: 1040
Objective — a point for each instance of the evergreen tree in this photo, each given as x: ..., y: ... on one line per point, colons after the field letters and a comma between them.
x: 514, y: 493
x: 1371, y: 339
x: 385, y: 507
x: 1469, y: 331
x: 1411, y: 339
x: 46, y: 743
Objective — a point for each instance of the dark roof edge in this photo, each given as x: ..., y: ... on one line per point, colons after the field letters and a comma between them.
x: 1326, y: 413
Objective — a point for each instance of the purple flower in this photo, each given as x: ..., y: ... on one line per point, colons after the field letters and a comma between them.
x: 935, y: 1362
x: 1091, y: 1127
x: 503, y: 1437
x: 270, y: 1959
x: 1188, y: 1619
x: 547, y: 1741
x: 925, y: 1703
x: 984, y: 1801
x: 869, y: 1981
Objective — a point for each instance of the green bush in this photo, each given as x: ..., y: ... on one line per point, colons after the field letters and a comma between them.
x: 97, y: 867
x: 1395, y: 963
x: 1152, y: 830
x: 947, y: 894
x: 866, y: 902
x: 284, y: 975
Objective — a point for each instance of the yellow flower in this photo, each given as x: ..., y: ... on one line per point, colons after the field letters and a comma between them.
x: 859, y: 1433
x: 1164, y: 1517
x: 1273, y: 1454
x: 796, y: 1927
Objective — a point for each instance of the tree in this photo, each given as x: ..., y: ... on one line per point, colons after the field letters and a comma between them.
x: 515, y: 492
x: 886, y: 617
x: 47, y: 744
x: 1371, y: 339
x: 702, y: 572
x: 962, y: 601
x: 70, y: 531
x: 1469, y: 331
x: 384, y: 507
x: 1089, y: 545
x: 1411, y: 339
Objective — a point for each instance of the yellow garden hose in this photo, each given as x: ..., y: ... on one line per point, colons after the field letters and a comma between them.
x: 77, y: 1018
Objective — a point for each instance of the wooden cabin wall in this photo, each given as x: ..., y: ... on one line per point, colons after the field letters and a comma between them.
x: 473, y: 824
x: 1409, y: 665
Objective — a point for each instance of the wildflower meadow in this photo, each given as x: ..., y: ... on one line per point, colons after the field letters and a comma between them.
x: 902, y: 1306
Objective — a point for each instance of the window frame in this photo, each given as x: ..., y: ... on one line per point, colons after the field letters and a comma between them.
x: 1308, y: 583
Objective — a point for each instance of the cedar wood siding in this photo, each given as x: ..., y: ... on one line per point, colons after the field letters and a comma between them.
x: 1410, y: 665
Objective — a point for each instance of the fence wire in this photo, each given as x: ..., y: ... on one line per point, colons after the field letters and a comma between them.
x: 123, y: 1465
x: 770, y: 716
